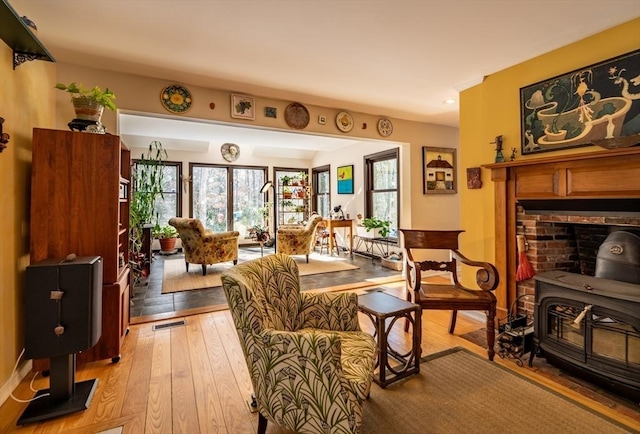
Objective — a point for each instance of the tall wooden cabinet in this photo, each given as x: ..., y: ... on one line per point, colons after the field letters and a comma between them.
x: 80, y: 204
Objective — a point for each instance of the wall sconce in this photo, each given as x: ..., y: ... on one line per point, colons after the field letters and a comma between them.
x: 4, y: 137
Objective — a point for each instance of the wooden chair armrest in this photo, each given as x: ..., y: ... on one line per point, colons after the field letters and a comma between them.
x: 486, y: 277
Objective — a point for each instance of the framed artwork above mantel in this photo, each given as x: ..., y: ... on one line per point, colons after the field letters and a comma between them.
x: 583, y: 107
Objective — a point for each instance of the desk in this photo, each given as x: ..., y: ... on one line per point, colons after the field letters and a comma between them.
x: 332, y: 224
x: 384, y: 310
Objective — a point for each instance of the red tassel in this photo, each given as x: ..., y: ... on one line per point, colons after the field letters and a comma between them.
x: 525, y: 270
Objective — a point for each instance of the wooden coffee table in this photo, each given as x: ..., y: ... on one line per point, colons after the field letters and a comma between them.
x: 385, y: 310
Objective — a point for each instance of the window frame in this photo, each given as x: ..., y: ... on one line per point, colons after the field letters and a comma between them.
x: 368, y: 162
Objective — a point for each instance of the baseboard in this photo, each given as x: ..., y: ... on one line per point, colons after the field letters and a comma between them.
x: 14, y: 380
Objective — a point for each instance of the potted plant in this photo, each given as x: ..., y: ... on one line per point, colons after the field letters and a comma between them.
x: 287, y: 193
x: 372, y: 227
x: 167, y: 236
x: 286, y: 180
x: 303, y: 178
x: 146, y: 179
x: 89, y: 103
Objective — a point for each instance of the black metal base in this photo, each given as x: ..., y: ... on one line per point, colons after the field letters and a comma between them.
x: 86, y: 125
x: 47, y: 408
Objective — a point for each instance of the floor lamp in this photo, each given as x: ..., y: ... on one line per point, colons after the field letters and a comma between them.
x: 265, y: 190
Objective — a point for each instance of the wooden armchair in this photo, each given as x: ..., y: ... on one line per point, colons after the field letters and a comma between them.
x: 455, y: 296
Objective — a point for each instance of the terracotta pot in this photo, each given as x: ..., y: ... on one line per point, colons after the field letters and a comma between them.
x: 167, y: 244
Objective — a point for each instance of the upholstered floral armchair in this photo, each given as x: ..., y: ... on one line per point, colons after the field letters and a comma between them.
x: 205, y: 247
x: 310, y: 364
x: 298, y: 241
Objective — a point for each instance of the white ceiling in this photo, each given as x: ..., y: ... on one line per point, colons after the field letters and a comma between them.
x: 397, y: 58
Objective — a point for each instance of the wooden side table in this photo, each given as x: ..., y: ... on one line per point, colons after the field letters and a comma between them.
x: 385, y: 310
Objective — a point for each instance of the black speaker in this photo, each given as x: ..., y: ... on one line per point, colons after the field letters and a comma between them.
x: 63, y: 315
x: 63, y: 306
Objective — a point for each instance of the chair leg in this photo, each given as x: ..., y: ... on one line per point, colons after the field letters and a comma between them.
x: 307, y: 259
x: 454, y: 316
x: 187, y: 265
x: 204, y: 269
x: 406, y: 321
x: 491, y: 332
x: 262, y: 424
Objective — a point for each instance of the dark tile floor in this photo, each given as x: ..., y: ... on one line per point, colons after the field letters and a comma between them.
x: 147, y: 299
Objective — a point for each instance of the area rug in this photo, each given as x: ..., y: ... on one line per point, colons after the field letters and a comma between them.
x: 540, y: 366
x: 176, y: 279
x: 459, y: 392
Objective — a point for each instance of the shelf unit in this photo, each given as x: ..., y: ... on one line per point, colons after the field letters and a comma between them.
x: 292, y: 199
x: 80, y: 189
x: 15, y: 33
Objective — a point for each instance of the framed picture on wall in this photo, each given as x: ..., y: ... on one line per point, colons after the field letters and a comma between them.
x: 243, y: 107
x: 439, y: 170
x: 345, y: 179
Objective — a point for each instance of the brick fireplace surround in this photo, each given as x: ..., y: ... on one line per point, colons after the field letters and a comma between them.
x: 579, y: 197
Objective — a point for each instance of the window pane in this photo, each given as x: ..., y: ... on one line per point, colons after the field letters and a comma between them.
x: 167, y: 206
x: 385, y: 174
x: 385, y: 207
x: 247, y: 199
x: 210, y: 197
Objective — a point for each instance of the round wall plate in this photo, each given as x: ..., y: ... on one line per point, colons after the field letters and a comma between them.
x: 176, y: 98
x: 344, y: 121
x: 385, y: 127
x: 296, y: 116
x: 230, y: 151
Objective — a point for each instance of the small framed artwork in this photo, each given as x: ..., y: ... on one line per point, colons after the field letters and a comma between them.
x: 439, y: 170
x: 270, y: 112
x: 243, y: 107
x: 345, y: 179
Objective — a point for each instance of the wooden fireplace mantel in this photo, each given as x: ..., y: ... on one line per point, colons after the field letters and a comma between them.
x: 611, y: 174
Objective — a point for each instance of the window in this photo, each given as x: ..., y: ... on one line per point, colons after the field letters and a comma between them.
x: 227, y: 198
x: 170, y: 204
x: 322, y: 191
x: 381, y: 185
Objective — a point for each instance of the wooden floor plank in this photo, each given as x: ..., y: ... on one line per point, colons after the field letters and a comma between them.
x: 183, y: 400
x: 220, y: 343
x: 137, y: 392
x: 159, y: 415
x: 208, y: 406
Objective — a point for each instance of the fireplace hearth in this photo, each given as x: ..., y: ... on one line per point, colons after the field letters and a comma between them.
x: 590, y: 326
x: 566, y: 206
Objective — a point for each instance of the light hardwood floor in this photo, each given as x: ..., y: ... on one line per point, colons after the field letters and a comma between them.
x: 193, y: 379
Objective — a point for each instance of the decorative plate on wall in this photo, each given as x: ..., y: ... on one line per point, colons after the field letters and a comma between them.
x: 230, y: 151
x: 344, y: 121
x: 385, y: 127
x: 176, y: 98
x: 296, y: 115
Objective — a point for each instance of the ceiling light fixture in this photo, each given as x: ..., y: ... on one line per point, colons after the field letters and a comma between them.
x: 449, y: 101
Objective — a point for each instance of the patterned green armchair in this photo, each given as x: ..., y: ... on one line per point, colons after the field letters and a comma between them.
x: 298, y: 241
x: 310, y: 364
x: 205, y: 247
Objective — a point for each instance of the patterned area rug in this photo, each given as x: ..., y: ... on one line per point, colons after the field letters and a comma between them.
x: 459, y: 392
x: 584, y: 387
x: 176, y: 279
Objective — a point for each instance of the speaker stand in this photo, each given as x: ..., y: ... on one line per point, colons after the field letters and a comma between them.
x: 65, y: 395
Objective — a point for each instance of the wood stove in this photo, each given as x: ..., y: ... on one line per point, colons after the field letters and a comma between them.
x: 590, y: 326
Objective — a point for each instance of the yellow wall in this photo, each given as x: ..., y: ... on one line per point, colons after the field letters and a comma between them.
x: 493, y: 108
x: 26, y: 101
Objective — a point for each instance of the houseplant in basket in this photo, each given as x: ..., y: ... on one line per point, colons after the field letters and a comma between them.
x: 167, y: 236
x: 89, y: 104
x: 372, y: 227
